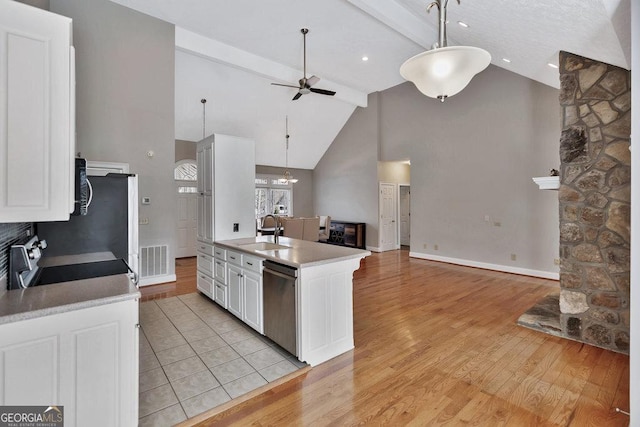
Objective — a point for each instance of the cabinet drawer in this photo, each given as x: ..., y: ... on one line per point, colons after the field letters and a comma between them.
x: 205, y: 284
x: 252, y: 263
x: 234, y: 258
x: 220, y: 253
x: 205, y: 264
x: 204, y: 248
x: 220, y: 294
x: 220, y: 270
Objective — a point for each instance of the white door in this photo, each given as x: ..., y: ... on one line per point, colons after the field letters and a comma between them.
x: 186, y: 221
x: 388, y: 229
x: 405, y: 214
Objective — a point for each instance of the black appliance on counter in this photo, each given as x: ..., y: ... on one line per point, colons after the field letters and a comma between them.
x: 106, y: 226
x: 25, y: 272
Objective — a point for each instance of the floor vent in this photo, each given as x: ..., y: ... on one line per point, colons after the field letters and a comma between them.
x: 154, y: 261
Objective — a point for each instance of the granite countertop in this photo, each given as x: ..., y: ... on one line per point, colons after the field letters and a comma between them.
x: 45, y: 300
x: 299, y: 253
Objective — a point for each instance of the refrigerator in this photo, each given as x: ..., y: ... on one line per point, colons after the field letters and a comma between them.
x: 110, y: 224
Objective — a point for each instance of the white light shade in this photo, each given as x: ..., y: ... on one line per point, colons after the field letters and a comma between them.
x: 445, y: 71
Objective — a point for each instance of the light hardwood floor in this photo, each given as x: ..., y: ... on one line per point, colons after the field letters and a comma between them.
x: 438, y: 344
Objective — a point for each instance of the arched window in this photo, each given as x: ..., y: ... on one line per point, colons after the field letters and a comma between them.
x: 186, y: 170
x: 186, y: 175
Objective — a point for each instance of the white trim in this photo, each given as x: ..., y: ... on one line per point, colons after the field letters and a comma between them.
x: 398, y: 232
x: 155, y: 280
x: 496, y: 267
x: 373, y: 248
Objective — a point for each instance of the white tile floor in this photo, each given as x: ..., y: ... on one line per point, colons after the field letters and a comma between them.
x: 195, y: 356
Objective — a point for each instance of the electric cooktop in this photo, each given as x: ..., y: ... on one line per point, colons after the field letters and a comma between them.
x: 88, y: 270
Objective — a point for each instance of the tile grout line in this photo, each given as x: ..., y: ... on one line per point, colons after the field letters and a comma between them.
x: 186, y: 304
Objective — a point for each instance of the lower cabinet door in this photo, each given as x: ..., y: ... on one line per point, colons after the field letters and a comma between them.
x: 234, y: 280
x: 252, y: 310
x: 220, y: 294
x: 204, y: 284
x: 85, y: 360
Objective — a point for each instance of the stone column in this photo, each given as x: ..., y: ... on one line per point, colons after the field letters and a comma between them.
x: 594, y: 196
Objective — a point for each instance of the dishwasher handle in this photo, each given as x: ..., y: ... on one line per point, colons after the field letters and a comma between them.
x: 277, y: 273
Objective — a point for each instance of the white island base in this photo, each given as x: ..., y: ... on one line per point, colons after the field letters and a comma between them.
x: 325, y: 317
x: 324, y: 291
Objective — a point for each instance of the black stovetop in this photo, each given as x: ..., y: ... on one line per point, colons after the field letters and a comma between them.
x: 88, y: 270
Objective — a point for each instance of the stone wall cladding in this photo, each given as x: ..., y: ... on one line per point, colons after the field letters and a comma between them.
x: 595, y: 202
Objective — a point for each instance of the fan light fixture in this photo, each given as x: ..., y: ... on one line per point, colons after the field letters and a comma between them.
x: 286, y: 177
x: 444, y: 71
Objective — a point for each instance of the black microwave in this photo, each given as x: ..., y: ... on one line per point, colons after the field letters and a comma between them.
x: 82, y: 190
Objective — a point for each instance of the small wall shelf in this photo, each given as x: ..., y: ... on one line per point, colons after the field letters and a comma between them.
x: 547, y: 182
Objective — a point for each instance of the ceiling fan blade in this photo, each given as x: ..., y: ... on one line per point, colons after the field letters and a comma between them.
x: 278, y: 84
x: 312, y: 80
x: 297, y: 96
x: 322, y: 91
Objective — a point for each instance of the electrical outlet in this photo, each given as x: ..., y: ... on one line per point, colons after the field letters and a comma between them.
x: 143, y: 221
x: 513, y: 257
x: 487, y: 218
x: 435, y: 247
x: 236, y: 227
x: 556, y: 261
x: 424, y: 246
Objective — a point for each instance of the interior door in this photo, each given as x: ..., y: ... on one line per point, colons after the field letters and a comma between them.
x: 405, y: 215
x: 388, y: 229
x: 186, y: 221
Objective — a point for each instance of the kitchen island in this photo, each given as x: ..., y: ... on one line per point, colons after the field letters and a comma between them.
x: 73, y: 344
x: 323, y: 295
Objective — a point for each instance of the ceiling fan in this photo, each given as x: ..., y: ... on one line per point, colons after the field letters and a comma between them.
x: 306, y: 83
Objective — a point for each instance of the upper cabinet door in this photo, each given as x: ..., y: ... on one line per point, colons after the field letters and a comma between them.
x: 37, y: 108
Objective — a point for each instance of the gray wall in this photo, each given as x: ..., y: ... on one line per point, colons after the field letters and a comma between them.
x: 185, y: 150
x: 125, y: 101
x: 302, y: 190
x: 471, y: 156
x: 345, y: 180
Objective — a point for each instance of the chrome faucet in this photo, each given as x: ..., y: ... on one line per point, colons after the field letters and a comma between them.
x: 277, y: 230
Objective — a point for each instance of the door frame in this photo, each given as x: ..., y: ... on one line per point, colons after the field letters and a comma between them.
x: 396, y: 244
x: 399, y: 239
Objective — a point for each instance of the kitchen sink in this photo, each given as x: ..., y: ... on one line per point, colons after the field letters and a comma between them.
x: 263, y: 246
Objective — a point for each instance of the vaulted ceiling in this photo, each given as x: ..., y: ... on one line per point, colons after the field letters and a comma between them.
x: 230, y: 51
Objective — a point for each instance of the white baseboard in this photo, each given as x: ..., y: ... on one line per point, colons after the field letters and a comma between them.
x: 373, y: 249
x: 157, y: 280
x: 496, y: 267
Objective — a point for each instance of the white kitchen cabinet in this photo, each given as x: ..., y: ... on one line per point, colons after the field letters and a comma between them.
x: 252, y: 301
x: 220, y: 294
x: 226, y: 188
x: 234, y: 286
x: 220, y: 290
x: 85, y: 360
x: 37, y: 115
x: 204, y: 283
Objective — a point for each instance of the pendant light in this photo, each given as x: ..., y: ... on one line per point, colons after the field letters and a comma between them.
x: 286, y: 177
x: 444, y: 71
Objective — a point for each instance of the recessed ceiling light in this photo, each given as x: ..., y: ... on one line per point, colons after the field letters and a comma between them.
x: 463, y: 24
x: 365, y: 58
x: 552, y: 65
x: 506, y: 60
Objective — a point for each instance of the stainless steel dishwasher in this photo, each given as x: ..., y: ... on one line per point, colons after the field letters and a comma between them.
x: 279, y: 299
